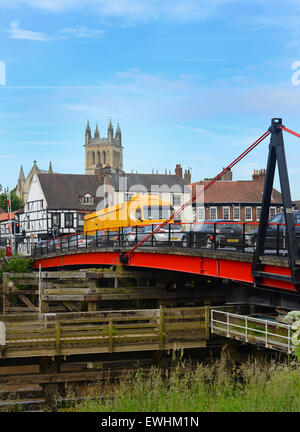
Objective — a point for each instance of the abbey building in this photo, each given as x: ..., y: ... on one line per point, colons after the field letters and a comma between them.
x: 24, y: 183
x: 106, y: 151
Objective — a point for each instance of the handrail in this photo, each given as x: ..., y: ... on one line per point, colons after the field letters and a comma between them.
x: 228, y: 328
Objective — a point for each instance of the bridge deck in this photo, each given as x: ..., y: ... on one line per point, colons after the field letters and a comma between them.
x: 226, y: 264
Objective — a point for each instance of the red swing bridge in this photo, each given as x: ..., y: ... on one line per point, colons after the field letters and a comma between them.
x: 262, y: 264
x: 156, y: 288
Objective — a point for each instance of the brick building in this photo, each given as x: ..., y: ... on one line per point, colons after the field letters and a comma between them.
x: 238, y: 200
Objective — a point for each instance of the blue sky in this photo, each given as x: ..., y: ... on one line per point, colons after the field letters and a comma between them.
x: 191, y: 82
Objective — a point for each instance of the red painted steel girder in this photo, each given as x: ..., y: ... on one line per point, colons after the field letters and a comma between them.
x: 235, y: 270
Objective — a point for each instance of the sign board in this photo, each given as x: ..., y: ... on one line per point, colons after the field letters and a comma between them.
x: 2, y: 334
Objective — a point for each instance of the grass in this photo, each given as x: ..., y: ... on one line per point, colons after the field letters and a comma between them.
x: 252, y: 387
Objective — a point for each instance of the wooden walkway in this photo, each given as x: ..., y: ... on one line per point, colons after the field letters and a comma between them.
x: 70, y: 333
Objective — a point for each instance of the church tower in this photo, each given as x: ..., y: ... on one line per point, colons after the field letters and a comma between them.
x: 107, y: 151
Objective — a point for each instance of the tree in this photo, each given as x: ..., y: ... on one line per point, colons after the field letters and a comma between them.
x: 16, y: 202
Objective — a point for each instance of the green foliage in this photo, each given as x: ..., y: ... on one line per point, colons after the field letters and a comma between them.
x: 253, y: 387
x: 16, y: 202
x: 18, y: 264
x: 15, y: 264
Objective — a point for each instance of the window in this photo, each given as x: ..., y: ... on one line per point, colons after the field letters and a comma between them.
x: 201, y: 213
x: 176, y: 200
x: 69, y: 220
x: 156, y: 212
x: 272, y: 212
x: 226, y: 213
x: 213, y: 212
x: 258, y: 209
x: 87, y: 199
x: 248, y: 213
x: 80, y: 219
x: 236, y: 213
x: 55, y: 219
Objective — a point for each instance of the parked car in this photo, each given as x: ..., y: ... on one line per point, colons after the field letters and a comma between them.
x: 133, y: 235
x: 172, y: 234
x: 219, y: 233
x: 276, y: 232
x: 75, y: 241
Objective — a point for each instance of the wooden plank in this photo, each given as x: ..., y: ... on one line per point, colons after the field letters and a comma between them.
x: 63, y: 275
x: 63, y: 298
x: 21, y: 275
x: 184, y: 326
x: 70, y: 306
x: 33, y: 282
x: 58, y: 338
x: 67, y: 291
x: 19, y: 309
x: 28, y: 303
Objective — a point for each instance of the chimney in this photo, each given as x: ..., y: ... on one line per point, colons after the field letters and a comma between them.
x: 187, y: 177
x: 178, y: 171
x: 99, y: 171
x: 259, y: 175
x: 227, y: 176
x: 107, y: 169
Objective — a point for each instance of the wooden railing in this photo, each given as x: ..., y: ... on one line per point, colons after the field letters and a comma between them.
x: 99, y: 332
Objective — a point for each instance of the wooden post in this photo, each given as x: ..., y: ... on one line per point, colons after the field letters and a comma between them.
x: 110, y: 335
x: 207, y: 321
x: 161, y: 328
x: 5, y: 305
x: 58, y: 340
x: 50, y: 390
x: 92, y: 306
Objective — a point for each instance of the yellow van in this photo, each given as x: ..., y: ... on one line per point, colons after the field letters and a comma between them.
x: 140, y: 210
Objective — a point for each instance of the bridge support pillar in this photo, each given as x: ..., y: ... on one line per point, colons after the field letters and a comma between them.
x: 49, y: 365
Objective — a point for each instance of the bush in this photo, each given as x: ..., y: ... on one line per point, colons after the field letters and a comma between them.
x: 15, y: 264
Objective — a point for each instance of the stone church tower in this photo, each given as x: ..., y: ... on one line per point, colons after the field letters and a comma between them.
x: 107, y: 151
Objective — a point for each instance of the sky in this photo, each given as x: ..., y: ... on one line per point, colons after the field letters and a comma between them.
x: 190, y: 81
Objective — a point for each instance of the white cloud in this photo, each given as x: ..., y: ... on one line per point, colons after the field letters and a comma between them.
x: 81, y: 32
x: 15, y: 32
x: 133, y: 94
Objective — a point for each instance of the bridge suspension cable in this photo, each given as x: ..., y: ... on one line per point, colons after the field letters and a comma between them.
x: 290, y: 131
x: 124, y: 257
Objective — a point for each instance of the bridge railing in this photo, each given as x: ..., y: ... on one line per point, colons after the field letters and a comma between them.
x: 258, y: 331
x: 103, y: 331
x: 231, y: 235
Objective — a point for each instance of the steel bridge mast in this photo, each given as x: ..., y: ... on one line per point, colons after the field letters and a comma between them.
x: 277, y: 154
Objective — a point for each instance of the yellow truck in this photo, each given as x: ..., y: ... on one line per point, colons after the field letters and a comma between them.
x: 140, y: 210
